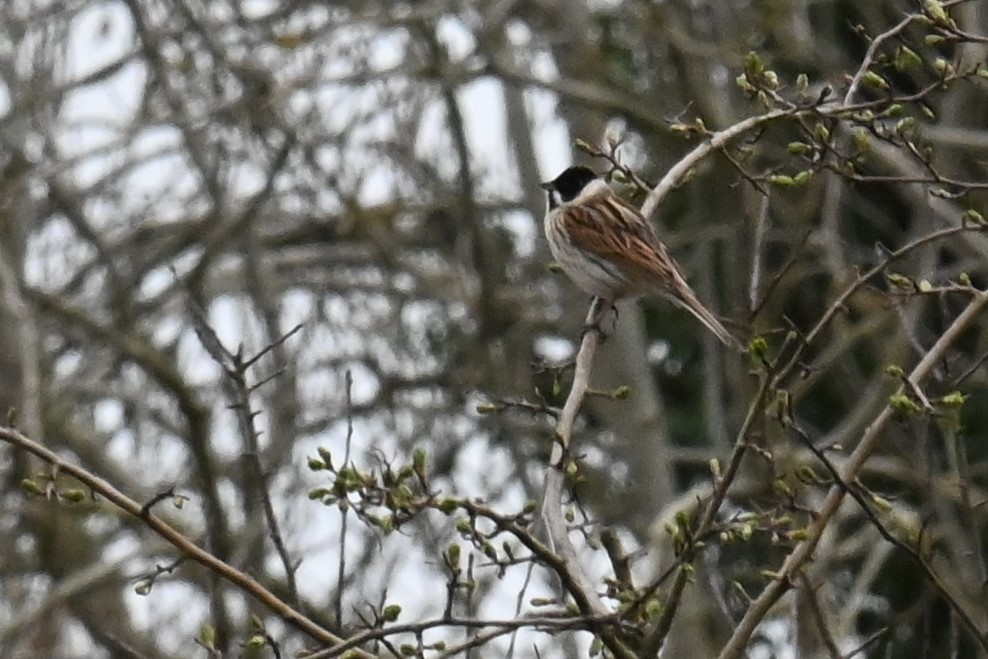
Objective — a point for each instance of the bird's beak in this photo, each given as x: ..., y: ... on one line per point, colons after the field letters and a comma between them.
x: 547, y: 186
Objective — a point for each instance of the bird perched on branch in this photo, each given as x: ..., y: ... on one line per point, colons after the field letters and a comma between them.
x: 610, y: 251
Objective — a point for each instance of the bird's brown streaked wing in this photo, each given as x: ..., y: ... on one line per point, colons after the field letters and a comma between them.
x: 613, y: 230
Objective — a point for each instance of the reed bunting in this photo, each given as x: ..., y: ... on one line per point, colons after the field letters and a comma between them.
x: 610, y: 251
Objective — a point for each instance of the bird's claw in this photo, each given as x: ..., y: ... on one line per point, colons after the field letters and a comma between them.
x: 593, y: 327
x: 600, y: 309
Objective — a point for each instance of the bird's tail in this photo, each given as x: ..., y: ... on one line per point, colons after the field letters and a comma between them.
x: 687, y: 300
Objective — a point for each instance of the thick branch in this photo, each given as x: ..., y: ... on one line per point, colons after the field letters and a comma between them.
x: 177, y: 540
x: 585, y: 593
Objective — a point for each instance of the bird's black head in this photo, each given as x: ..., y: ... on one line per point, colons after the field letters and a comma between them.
x: 569, y: 184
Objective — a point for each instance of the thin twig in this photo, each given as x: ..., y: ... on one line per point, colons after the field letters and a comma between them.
x: 794, y: 257
x: 547, y: 622
x: 964, y: 481
x: 758, y: 251
x: 341, y: 569
x: 813, y: 603
x: 869, y: 57
x: 867, y: 643
x: 28, y: 350
x: 235, y: 367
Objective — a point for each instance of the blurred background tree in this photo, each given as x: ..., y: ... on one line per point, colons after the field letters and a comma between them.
x: 349, y: 192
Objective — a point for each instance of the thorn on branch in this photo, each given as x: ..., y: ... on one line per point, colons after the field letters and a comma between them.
x: 155, y: 500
